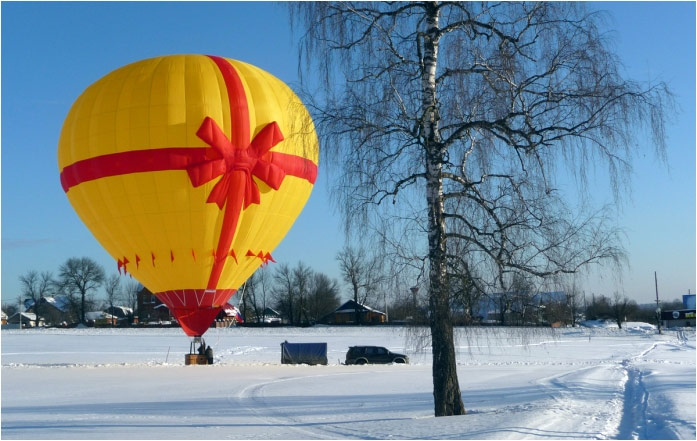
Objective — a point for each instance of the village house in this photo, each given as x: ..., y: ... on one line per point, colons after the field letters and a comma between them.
x: 53, y: 311
x: 26, y: 319
x: 124, y: 315
x: 151, y: 309
x: 100, y: 319
x: 346, y: 315
x: 228, y: 316
x: 269, y: 316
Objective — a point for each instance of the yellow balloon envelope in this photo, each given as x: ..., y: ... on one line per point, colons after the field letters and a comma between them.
x: 189, y: 170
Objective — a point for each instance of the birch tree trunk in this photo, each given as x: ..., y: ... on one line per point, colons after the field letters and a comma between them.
x: 446, y: 389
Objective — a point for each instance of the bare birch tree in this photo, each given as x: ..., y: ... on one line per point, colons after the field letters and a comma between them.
x: 454, y: 117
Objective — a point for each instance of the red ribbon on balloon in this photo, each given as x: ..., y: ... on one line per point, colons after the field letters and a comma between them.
x: 230, y: 161
x: 236, y: 189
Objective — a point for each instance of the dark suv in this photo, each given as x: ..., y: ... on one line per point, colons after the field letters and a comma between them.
x: 373, y: 354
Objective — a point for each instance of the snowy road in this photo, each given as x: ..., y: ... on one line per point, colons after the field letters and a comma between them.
x: 574, y: 384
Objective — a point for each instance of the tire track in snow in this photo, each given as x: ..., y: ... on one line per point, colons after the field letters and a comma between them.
x: 252, y: 399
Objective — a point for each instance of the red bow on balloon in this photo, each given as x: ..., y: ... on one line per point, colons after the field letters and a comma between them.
x: 237, y: 165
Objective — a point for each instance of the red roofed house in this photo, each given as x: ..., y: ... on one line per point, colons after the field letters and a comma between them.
x: 228, y: 316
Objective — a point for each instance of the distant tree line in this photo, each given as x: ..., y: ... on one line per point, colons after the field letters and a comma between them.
x: 620, y: 308
x: 299, y: 294
x: 304, y: 297
x: 79, y: 281
x: 525, y: 304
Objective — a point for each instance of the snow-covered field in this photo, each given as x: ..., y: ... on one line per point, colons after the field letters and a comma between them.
x: 589, y: 383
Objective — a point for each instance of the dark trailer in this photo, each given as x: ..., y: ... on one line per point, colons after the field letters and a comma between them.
x: 303, y: 353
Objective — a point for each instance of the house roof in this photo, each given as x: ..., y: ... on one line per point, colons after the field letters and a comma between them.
x: 351, y: 306
x: 489, y: 303
x: 271, y: 312
x: 25, y: 315
x: 230, y: 310
x: 122, y: 310
x: 61, y: 303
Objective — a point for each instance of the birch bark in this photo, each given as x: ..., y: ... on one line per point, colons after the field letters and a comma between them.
x: 446, y: 389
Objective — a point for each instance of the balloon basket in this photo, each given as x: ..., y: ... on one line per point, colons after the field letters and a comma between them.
x: 196, y: 356
x: 195, y: 359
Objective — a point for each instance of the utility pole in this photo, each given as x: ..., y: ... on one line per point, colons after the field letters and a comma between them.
x: 414, y: 290
x: 658, y: 305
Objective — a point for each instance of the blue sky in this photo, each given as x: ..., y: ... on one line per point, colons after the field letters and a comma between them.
x: 52, y: 51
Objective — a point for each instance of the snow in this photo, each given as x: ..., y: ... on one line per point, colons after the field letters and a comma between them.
x: 580, y: 383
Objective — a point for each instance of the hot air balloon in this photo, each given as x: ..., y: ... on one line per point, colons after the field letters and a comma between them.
x: 189, y: 170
